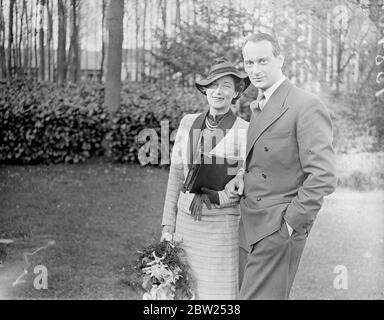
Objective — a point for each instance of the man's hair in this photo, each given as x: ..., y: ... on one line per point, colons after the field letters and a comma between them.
x: 260, y: 36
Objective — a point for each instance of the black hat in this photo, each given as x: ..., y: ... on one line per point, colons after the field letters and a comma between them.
x: 221, y: 68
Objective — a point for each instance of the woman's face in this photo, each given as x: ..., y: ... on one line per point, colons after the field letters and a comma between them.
x: 220, y: 93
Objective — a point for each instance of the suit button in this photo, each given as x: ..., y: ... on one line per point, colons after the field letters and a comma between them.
x: 264, y: 176
x: 266, y: 149
x: 258, y: 199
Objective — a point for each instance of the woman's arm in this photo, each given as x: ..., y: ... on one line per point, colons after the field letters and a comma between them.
x: 175, y: 183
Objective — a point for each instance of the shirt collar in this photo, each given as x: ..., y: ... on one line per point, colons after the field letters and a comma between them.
x: 268, y: 93
x: 215, y: 119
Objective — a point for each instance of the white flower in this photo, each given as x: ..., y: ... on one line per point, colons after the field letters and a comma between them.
x: 160, y: 292
x: 147, y: 296
x: 168, y: 236
x: 164, y: 279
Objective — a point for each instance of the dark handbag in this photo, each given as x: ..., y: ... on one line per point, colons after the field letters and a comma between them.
x: 213, y: 173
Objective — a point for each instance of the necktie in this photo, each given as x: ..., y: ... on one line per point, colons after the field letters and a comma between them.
x: 258, y: 103
x: 255, y: 108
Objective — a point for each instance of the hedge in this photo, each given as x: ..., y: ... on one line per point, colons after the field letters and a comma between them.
x: 42, y: 123
x: 45, y: 123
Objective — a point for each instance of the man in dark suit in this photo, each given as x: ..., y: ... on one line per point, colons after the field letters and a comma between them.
x: 289, y: 169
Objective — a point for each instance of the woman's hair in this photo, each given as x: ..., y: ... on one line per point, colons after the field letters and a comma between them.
x: 239, y: 87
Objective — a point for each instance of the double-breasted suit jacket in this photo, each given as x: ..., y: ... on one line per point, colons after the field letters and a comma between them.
x: 290, y: 164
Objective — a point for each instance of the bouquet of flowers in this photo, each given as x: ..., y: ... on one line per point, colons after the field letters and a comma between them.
x: 163, y: 272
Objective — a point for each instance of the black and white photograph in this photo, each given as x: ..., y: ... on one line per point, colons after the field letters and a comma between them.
x: 194, y: 150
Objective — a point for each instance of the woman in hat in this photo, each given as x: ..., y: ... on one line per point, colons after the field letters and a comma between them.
x: 206, y: 222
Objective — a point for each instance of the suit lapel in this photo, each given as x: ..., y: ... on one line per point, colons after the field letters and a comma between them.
x: 272, y: 111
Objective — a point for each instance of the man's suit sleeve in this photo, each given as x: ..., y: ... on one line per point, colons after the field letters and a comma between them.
x: 314, y: 139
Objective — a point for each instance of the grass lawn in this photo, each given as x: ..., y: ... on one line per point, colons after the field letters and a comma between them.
x: 100, y: 213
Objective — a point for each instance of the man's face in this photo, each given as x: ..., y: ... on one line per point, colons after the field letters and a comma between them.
x: 262, y: 67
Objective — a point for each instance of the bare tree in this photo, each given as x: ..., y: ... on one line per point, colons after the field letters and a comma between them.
x: 29, y: 53
x: 115, y: 41
x: 143, y: 36
x: 49, y: 39
x: 41, y: 41
x: 23, y: 31
x: 74, y: 50
x: 194, y: 3
x: 10, y: 36
x: 35, y: 33
x: 3, y: 67
x: 137, y: 31
x: 62, y: 42
x: 177, y: 17
x: 163, y: 44
x: 151, y: 18
x: 103, y: 45
x: 15, y: 37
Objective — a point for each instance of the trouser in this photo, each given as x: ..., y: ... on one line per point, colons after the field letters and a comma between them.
x: 267, y: 271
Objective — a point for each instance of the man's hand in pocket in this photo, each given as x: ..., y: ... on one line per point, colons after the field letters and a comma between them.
x: 290, y: 229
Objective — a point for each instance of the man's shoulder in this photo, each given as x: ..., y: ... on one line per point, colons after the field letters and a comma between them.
x: 301, y: 98
x: 303, y: 94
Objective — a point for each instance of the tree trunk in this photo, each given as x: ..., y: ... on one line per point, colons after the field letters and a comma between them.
x: 29, y: 53
x: 323, y: 49
x: 339, y: 54
x: 62, y: 43
x: 74, y: 52
x: 329, y: 61
x: 3, y: 66
x: 137, y: 30
x: 115, y: 36
x: 49, y: 40
x: 15, y: 39
x: 41, y: 41
x: 310, y: 45
x: 143, y: 35
x: 10, y: 37
x: 36, y: 55
x: 103, y: 9
x: 150, y: 63
x: 21, y: 38
x: 194, y: 12
x: 294, y: 67
x: 164, y: 37
x: 178, y: 17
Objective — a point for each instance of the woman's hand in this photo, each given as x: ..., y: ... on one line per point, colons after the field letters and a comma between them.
x: 167, y: 233
x: 207, y: 196
x: 212, y: 195
x: 196, y: 207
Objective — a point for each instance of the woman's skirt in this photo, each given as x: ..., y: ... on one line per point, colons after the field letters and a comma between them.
x: 211, y: 248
